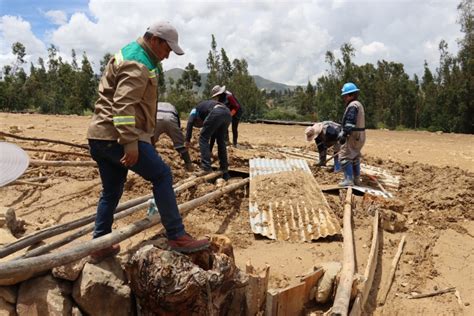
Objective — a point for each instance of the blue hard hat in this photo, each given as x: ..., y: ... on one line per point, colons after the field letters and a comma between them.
x: 349, y: 87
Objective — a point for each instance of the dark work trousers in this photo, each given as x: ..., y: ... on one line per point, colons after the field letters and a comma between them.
x: 215, y: 125
x: 235, y: 131
x: 113, y: 174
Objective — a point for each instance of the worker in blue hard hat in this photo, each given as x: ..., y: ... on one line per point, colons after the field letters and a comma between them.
x: 352, y: 135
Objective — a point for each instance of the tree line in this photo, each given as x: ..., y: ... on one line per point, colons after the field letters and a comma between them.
x: 439, y: 100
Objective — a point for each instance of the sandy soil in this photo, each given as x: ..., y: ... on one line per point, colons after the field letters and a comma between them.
x: 435, y: 199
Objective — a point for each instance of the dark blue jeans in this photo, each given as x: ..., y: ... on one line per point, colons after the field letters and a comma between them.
x: 215, y: 125
x: 113, y: 174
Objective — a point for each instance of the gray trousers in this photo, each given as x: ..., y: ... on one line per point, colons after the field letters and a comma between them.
x: 171, y: 129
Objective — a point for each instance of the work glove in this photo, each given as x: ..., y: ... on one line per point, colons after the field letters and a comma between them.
x: 341, y: 138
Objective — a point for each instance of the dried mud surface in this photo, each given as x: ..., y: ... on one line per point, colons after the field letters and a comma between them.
x: 434, y: 203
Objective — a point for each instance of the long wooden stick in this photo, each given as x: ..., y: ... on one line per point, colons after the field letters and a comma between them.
x: 55, y: 151
x: 85, y: 230
x: 360, y: 301
x: 62, y: 163
x: 44, y: 140
x: 90, y: 227
x: 13, y: 269
x: 64, y: 227
x: 388, y: 282
x: 447, y: 290
x: 21, y: 182
x: 344, y: 288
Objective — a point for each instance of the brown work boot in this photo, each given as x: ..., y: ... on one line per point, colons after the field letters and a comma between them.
x: 99, y: 255
x: 188, y: 244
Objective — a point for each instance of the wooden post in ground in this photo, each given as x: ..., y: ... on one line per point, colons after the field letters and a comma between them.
x: 344, y: 288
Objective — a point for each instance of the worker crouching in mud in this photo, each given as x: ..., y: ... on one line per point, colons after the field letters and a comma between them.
x: 352, y: 135
x: 325, y: 134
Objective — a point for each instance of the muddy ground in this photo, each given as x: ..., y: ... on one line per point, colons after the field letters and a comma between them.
x: 435, y: 198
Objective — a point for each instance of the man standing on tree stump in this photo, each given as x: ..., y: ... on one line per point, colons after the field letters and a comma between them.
x: 121, y: 130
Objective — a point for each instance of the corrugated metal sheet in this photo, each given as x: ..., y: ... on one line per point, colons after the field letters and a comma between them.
x: 305, y: 219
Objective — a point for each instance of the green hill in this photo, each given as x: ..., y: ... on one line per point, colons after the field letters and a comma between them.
x: 261, y: 82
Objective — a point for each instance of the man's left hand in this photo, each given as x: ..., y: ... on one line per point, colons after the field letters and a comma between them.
x: 129, y: 158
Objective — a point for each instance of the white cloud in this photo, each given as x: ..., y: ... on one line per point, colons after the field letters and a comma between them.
x: 56, y: 16
x: 281, y: 40
x: 15, y: 29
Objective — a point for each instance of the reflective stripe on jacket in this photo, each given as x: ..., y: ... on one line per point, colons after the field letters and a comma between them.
x: 128, y: 91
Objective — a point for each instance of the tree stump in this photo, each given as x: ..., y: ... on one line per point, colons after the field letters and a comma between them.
x: 169, y: 283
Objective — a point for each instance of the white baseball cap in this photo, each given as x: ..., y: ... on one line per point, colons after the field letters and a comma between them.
x: 166, y: 31
x: 13, y: 162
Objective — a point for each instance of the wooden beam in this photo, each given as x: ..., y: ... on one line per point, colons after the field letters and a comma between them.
x: 344, y: 288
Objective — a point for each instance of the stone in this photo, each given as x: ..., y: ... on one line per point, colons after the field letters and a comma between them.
x: 44, y: 295
x: 7, y: 216
x: 70, y: 271
x: 102, y: 289
x: 326, y: 282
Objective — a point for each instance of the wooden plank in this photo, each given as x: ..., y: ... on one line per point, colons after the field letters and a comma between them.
x: 292, y: 300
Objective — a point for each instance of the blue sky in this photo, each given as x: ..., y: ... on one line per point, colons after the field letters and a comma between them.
x: 284, y: 41
x: 33, y: 11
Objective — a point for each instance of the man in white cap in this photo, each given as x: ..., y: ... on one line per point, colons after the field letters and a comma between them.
x: 227, y: 98
x: 168, y: 122
x: 121, y: 130
x: 325, y: 134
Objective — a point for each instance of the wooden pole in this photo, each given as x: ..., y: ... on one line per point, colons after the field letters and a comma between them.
x: 123, y: 212
x: 360, y: 301
x: 439, y: 292
x: 12, y: 269
x: 55, y: 151
x: 62, y: 163
x: 388, y: 282
x: 64, y: 227
x: 44, y: 140
x: 344, y: 288
x: 86, y: 229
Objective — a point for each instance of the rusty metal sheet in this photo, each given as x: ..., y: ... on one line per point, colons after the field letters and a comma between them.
x: 300, y: 215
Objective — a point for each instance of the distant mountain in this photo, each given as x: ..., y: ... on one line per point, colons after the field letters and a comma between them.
x: 261, y: 82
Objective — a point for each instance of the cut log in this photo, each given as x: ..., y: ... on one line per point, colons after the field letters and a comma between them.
x: 169, y: 283
x: 388, y: 281
x: 344, y: 288
x: 44, y: 140
x: 64, y: 227
x: 12, y: 269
